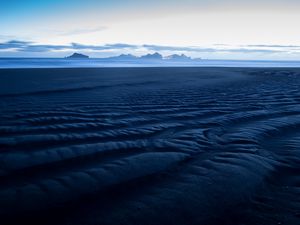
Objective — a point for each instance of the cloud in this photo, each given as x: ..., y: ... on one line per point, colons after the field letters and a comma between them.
x: 212, y: 50
x: 118, y: 46
x: 42, y: 48
x: 13, y: 44
x: 273, y: 46
x: 26, y: 46
x: 245, y: 50
x: 173, y: 48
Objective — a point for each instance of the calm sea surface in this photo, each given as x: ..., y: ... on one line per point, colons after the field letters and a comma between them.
x: 66, y: 63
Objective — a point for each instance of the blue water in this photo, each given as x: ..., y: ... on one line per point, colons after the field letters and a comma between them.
x: 66, y: 63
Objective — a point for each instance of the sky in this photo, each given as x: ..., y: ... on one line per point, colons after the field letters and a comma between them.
x: 212, y: 29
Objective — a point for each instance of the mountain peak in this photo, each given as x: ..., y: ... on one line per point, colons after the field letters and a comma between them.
x: 124, y: 57
x: 178, y: 57
x: 77, y: 56
x: 155, y: 55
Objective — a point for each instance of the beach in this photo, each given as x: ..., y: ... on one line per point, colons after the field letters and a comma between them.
x: 151, y: 146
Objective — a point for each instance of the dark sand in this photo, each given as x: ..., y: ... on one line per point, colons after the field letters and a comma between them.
x: 150, y: 146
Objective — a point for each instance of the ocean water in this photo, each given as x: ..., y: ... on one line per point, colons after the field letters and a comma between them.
x: 67, y: 63
x: 153, y: 146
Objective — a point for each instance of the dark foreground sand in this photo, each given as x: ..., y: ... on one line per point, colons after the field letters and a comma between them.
x: 150, y: 146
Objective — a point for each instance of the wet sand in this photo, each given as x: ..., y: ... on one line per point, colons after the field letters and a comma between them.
x: 151, y: 146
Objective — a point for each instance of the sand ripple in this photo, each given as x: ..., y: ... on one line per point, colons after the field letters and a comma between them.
x: 150, y: 146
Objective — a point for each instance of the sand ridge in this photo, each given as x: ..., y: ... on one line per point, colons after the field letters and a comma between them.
x: 150, y: 146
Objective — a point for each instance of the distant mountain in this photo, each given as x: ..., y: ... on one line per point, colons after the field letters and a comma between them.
x: 155, y: 56
x: 197, y: 59
x: 177, y: 57
x: 77, y: 56
x: 124, y: 57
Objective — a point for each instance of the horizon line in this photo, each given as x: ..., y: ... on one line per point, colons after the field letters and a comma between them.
x: 199, y: 59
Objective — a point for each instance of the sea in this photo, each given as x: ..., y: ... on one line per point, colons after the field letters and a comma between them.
x: 98, y: 62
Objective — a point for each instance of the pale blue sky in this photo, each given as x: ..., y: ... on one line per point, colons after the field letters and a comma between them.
x: 233, y: 29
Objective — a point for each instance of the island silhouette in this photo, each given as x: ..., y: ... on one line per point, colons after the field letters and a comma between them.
x: 77, y: 56
x: 148, y: 57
